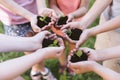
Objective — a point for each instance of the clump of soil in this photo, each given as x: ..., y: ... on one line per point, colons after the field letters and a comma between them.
x: 78, y: 56
x: 42, y: 21
x: 74, y: 34
x: 49, y: 42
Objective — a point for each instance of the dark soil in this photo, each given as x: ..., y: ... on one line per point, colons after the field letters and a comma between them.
x: 42, y: 21
x: 76, y: 58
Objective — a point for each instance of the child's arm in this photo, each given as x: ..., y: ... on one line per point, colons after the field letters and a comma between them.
x: 98, y: 7
x: 103, y: 54
x: 20, y: 65
x: 8, y: 43
x: 53, y: 5
x: 41, y: 4
x: 109, y: 25
x: 90, y: 16
x: 17, y: 9
x: 14, y: 7
x: 82, y: 9
x: 88, y: 66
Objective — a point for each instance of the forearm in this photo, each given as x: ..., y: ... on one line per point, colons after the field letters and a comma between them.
x: 53, y: 6
x: 14, y: 7
x: 83, y: 8
x: 105, y: 73
x: 18, y: 66
x: 109, y: 25
x: 97, y: 8
x: 79, y: 13
x: 17, y: 44
x: 108, y: 53
x: 41, y: 4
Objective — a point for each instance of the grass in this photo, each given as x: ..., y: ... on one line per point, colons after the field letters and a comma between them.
x: 53, y: 64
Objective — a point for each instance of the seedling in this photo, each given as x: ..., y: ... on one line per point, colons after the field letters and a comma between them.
x: 74, y: 34
x: 61, y: 21
x: 55, y: 43
x: 69, y: 32
x: 78, y: 56
x: 49, y: 42
x: 42, y: 21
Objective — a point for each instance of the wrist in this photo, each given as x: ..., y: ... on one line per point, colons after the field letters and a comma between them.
x: 95, y: 66
x: 34, y: 17
x: 100, y: 55
x: 84, y: 22
x: 71, y: 15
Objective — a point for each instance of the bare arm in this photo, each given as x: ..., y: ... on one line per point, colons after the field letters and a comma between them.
x: 14, y: 7
x: 8, y: 43
x: 108, y: 53
x: 41, y: 4
x: 20, y: 65
x: 53, y: 5
x: 88, y: 66
x: 82, y: 9
x: 106, y: 73
x: 97, y: 8
x: 102, y: 54
x: 109, y: 25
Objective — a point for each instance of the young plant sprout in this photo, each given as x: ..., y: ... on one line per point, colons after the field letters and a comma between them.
x: 42, y: 21
x: 78, y: 56
x: 49, y: 42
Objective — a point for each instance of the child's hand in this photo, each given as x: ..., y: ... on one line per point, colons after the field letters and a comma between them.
x: 72, y: 25
x: 70, y: 18
x: 48, y: 12
x: 53, y: 52
x: 67, y: 37
x: 92, y: 54
x: 38, y: 38
x: 82, y: 66
x: 34, y: 26
x: 83, y: 37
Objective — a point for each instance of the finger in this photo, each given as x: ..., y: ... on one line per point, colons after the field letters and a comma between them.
x: 85, y: 50
x: 69, y: 57
x: 51, y: 36
x: 70, y: 40
x: 35, y: 28
x: 64, y: 30
x: 66, y: 26
x: 61, y: 43
x: 80, y: 42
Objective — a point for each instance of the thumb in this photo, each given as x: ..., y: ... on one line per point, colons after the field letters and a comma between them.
x: 65, y: 26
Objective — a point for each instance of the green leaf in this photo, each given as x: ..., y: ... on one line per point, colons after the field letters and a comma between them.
x: 79, y: 53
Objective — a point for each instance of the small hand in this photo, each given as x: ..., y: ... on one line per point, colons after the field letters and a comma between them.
x: 34, y: 26
x: 70, y: 18
x: 81, y: 67
x: 92, y: 54
x: 38, y: 38
x: 48, y: 12
x: 83, y: 37
x: 72, y: 25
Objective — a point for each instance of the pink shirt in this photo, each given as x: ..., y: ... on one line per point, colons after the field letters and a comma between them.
x: 9, y: 18
x: 68, y: 6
